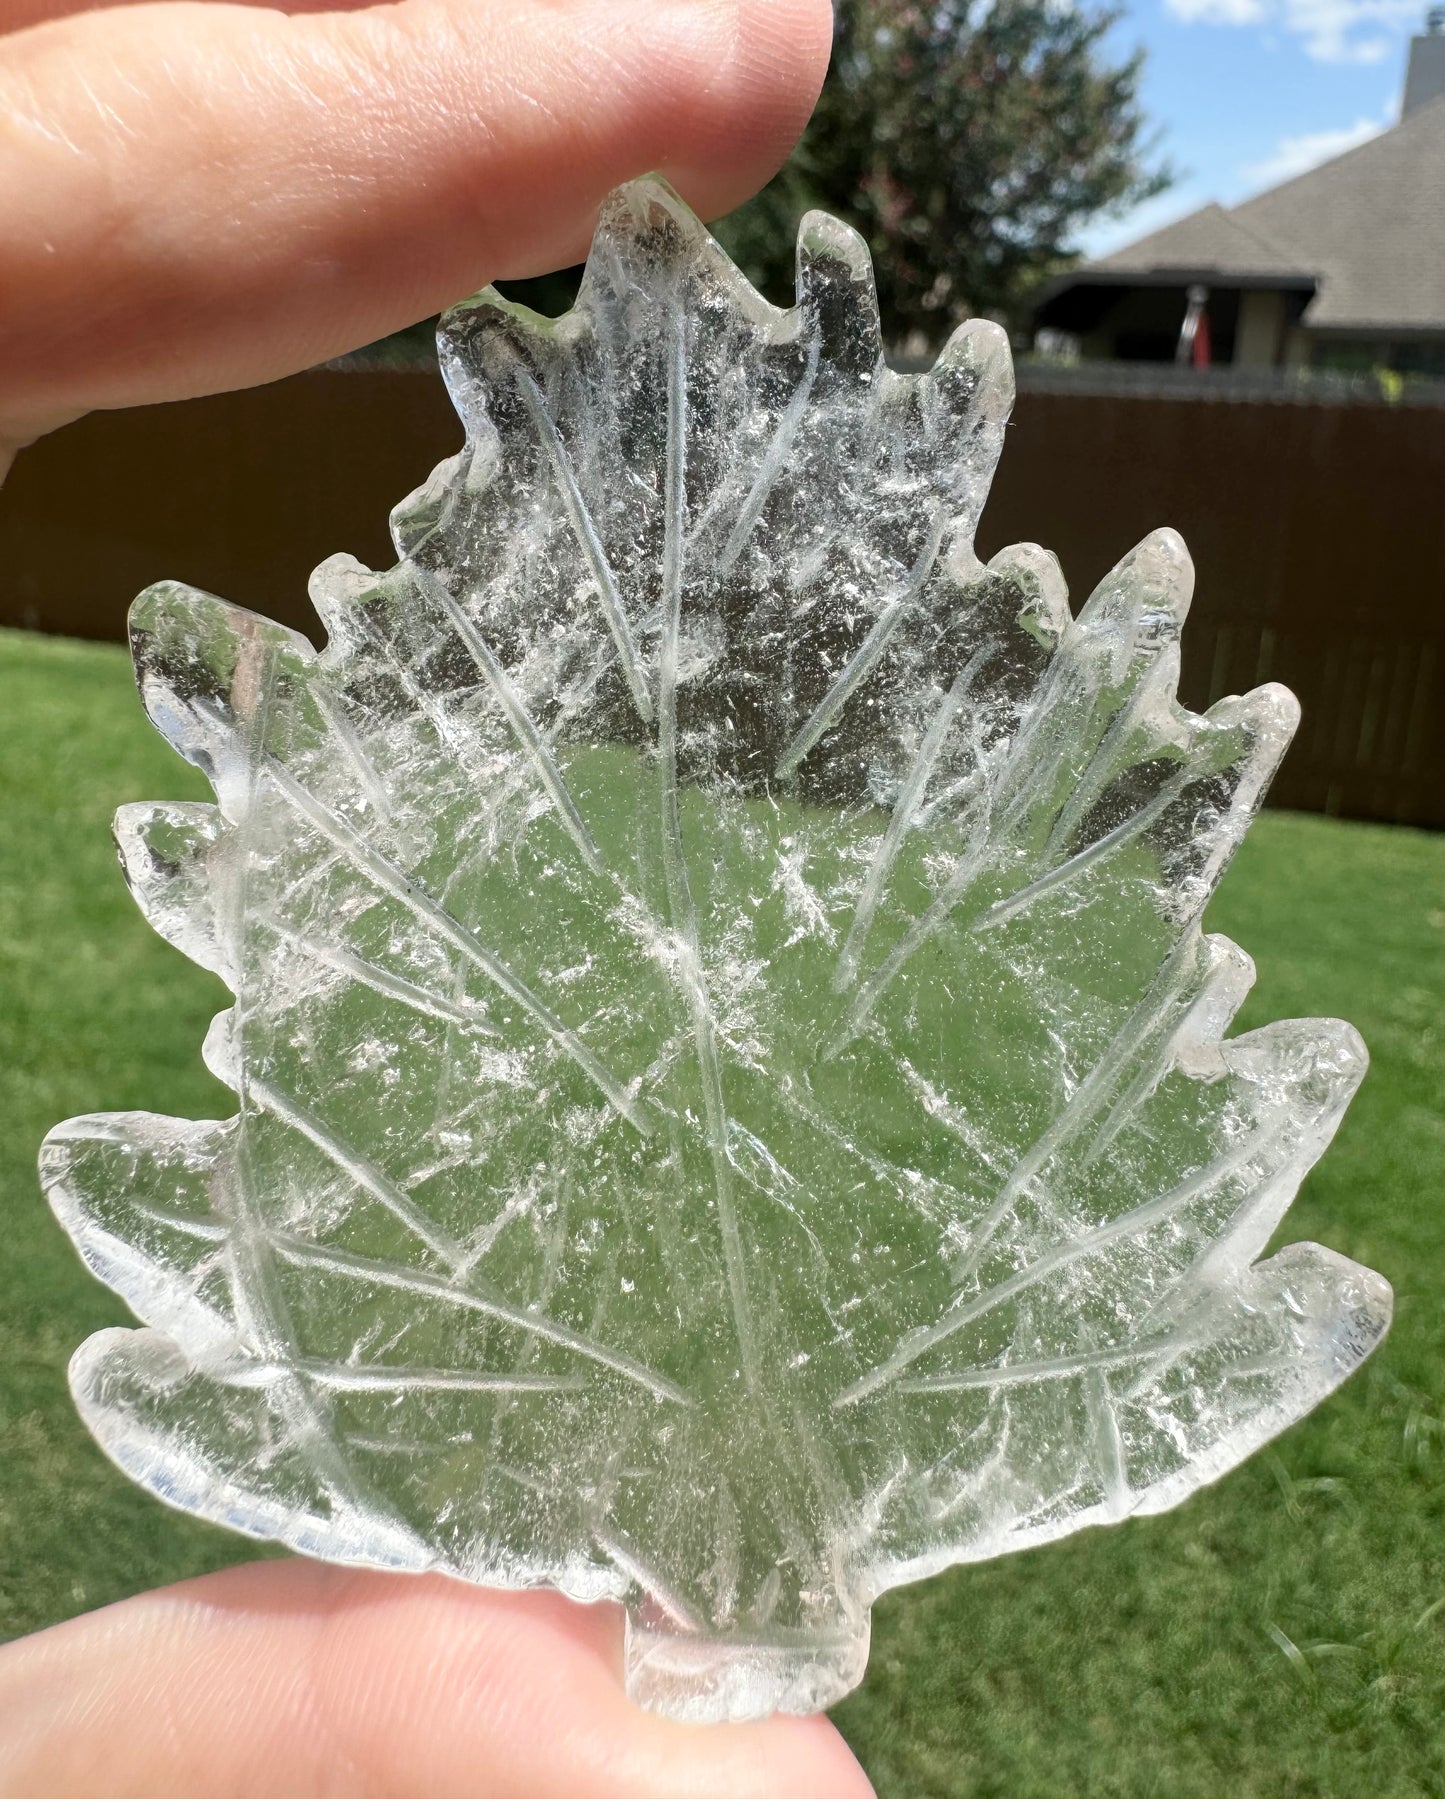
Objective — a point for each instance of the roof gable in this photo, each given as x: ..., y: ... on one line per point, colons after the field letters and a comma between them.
x: 1372, y: 222
x: 1368, y: 227
x: 1210, y: 239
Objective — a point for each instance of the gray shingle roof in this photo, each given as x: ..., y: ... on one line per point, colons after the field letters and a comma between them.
x: 1368, y: 225
x: 1208, y: 241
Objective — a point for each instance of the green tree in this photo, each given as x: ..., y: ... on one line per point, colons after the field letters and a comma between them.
x: 968, y: 142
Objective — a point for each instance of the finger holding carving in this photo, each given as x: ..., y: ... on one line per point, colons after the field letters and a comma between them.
x: 198, y: 197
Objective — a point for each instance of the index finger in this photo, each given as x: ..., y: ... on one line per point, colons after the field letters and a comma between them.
x: 195, y: 197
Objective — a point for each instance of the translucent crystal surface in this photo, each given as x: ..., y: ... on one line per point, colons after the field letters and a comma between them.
x: 734, y: 1108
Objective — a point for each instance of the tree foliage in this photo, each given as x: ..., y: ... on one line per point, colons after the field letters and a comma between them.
x: 968, y: 142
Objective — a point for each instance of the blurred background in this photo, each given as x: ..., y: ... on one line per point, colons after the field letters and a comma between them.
x: 1215, y: 230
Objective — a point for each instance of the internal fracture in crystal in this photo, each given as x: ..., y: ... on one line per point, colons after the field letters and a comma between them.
x: 734, y: 1102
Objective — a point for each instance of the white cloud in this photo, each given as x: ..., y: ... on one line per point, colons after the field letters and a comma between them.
x: 1219, y: 12
x: 1334, y: 31
x: 1293, y: 155
x: 1331, y: 28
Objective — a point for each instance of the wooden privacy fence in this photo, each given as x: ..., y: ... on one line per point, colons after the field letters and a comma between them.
x: 1318, y: 532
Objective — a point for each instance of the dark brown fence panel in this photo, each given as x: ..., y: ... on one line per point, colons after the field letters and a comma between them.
x: 242, y: 494
x: 1318, y: 535
x: 1318, y: 532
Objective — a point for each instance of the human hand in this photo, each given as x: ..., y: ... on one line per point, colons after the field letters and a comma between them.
x: 296, y: 1679
x: 195, y: 197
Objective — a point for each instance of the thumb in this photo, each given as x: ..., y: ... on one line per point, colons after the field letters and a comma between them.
x: 295, y: 1679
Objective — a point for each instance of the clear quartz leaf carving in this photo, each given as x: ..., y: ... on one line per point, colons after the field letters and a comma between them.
x: 734, y: 1107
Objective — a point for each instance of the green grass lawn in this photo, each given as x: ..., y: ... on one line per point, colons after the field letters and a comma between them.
x: 1282, y: 1633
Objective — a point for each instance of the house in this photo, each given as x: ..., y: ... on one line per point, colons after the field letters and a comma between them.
x: 1342, y: 267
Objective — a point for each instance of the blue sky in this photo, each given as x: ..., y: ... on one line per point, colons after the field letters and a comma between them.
x: 1248, y: 92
